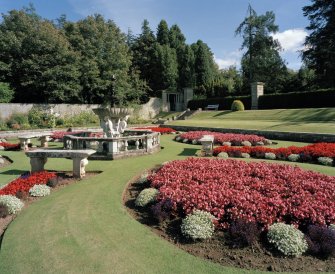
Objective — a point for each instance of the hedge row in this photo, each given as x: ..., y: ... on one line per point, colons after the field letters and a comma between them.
x: 224, y: 102
x: 312, y: 99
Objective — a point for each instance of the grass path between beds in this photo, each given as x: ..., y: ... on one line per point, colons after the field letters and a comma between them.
x: 84, y: 227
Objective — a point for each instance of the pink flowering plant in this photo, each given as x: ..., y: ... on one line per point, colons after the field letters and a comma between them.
x: 232, y: 190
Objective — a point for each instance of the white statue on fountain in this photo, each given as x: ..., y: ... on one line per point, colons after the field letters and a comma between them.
x: 115, y: 129
x: 123, y: 124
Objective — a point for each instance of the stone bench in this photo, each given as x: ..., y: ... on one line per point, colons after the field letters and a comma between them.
x: 39, y: 157
x: 25, y: 139
x: 212, y: 107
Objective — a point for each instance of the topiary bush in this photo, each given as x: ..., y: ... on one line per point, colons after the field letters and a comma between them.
x: 198, y: 225
x: 237, y: 105
x: 53, y: 182
x: 287, y: 239
x: 39, y: 190
x: 13, y: 204
x: 244, y: 233
x: 146, y: 197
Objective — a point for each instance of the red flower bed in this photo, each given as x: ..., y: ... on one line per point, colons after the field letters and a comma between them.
x: 60, y: 134
x: 9, y: 146
x: 261, y: 192
x: 162, y: 130
x: 25, y: 182
x: 307, y: 153
x: 219, y: 138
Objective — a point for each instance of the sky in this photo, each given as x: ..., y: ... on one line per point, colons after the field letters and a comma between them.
x: 212, y: 21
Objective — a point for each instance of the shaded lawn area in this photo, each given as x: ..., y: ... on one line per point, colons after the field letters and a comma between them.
x: 318, y: 120
x: 84, y: 227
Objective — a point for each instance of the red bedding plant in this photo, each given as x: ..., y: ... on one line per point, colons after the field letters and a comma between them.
x: 307, y: 153
x: 162, y: 130
x: 219, y: 138
x: 9, y: 146
x: 26, y: 181
x: 60, y: 134
x: 255, y: 192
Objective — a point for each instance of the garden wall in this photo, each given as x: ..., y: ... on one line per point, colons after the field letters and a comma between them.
x: 146, y: 111
x: 272, y: 135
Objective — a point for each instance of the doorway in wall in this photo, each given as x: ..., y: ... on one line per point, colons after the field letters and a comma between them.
x: 172, y: 101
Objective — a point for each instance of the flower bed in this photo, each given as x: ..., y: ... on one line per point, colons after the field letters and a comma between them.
x: 25, y: 182
x: 9, y: 146
x: 58, y: 135
x: 220, y: 138
x: 256, y: 192
x: 308, y: 153
x: 161, y: 130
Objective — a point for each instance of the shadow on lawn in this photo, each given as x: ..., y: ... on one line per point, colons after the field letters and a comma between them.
x: 13, y: 172
x: 188, y: 152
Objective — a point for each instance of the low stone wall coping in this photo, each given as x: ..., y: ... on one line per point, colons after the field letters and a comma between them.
x: 54, y: 153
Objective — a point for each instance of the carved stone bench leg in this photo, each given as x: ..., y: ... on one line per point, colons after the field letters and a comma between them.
x: 37, y: 164
x: 79, y: 167
x: 44, y: 141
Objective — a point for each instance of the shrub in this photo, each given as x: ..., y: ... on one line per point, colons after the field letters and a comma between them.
x: 332, y: 227
x: 146, y: 196
x: 178, y: 138
x: 223, y: 155
x: 246, y: 144
x: 6, y: 93
x: 185, y: 141
x: 237, y: 105
x: 226, y: 144
x: 321, y: 240
x: 198, y: 225
x: 287, y: 239
x: 39, y: 190
x: 195, y: 142
x: 270, y: 156
x: 3, y: 211
x: 244, y: 233
x: 325, y: 161
x: 22, y: 195
x: 245, y: 155
x: 13, y: 204
x: 53, y: 182
x: 293, y: 157
x: 162, y: 210
x: 143, y: 178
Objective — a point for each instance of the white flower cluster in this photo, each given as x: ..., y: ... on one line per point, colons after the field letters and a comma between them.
x: 195, y: 142
x: 246, y: 144
x: 287, y: 239
x: 146, y: 197
x: 293, y: 157
x: 143, y: 178
x: 226, y: 144
x: 198, y: 225
x: 39, y: 190
x: 13, y: 204
x: 267, y: 142
x: 245, y: 155
x: 178, y: 138
x: 185, y: 140
x: 270, y: 156
x: 223, y: 155
x: 325, y: 161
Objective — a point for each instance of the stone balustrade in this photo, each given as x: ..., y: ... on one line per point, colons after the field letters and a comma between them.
x: 131, y: 143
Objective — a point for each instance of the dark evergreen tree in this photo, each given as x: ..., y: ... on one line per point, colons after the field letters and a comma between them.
x: 320, y: 44
x: 36, y: 59
x: 261, y: 62
x: 163, y: 33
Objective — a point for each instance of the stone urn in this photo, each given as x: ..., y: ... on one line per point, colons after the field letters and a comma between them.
x: 113, y: 121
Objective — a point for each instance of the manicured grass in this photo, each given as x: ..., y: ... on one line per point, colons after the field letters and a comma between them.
x: 319, y: 120
x: 166, y: 115
x: 84, y: 227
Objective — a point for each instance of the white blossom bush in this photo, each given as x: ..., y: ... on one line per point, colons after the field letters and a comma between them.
x: 198, y: 225
x: 246, y: 144
x: 293, y: 157
x: 194, y: 142
x: 185, y: 140
x: 332, y: 227
x: 223, y: 155
x: 245, y: 155
x: 287, y: 239
x: 12, y: 203
x: 143, y: 178
x: 260, y: 143
x: 178, y: 138
x: 267, y: 142
x: 326, y: 161
x: 226, y: 144
x: 270, y: 156
x: 39, y: 190
x: 146, y: 196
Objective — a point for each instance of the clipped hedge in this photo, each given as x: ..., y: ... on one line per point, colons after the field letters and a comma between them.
x: 311, y: 99
x: 223, y: 102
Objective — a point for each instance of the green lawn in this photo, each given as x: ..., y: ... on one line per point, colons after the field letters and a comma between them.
x: 319, y: 120
x: 84, y: 227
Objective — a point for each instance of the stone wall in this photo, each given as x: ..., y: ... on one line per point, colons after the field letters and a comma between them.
x: 146, y: 111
